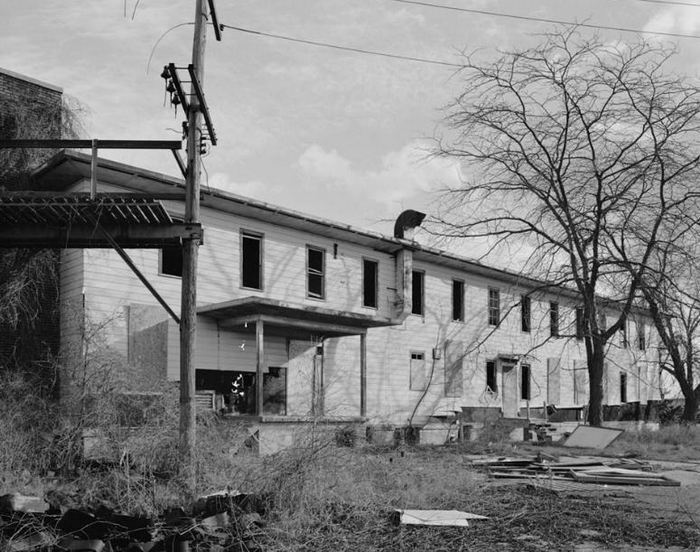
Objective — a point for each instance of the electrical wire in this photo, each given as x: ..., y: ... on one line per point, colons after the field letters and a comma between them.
x: 670, y: 3
x: 544, y: 20
x: 344, y: 48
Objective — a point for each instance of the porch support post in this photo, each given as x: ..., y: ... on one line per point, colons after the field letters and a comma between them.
x: 260, y: 356
x: 363, y: 374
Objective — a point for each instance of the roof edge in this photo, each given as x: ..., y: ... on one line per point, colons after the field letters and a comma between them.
x: 31, y: 80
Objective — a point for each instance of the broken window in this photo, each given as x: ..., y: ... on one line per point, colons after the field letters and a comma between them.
x: 418, y: 376
x: 525, y: 382
x: 417, y: 292
x: 370, y: 276
x: 623, y: 387
x: 525, y: 319
x: 315, y: 272
x: 494, y: 306
x: 554, y: 319
x: 458, y: 300
x: 579, y: 323
x: 251, y: 260
x: 491, y: 380
x: 171, y: 261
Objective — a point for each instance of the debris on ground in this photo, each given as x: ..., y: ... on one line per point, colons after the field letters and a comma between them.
x: 453, y: 518
x: 217, y: 522
x: 622, y: 471
x: 585, y: 436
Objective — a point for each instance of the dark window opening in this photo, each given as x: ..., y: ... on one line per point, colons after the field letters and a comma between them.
x: 623, y: 335
x: 641, y: 337
x: 417, y: 292
x: 315, y: 269
x: 370, y: 276
x: 491, y: 380
x: 525, y: 382
x: 579, y: 323
x: 458, y: 300
x: 233, y: 392
x: 494, y: 307
x: 623, y: 387
x: 525, y: 318
x: 554, y: 319
x: 171, y: 260
x: 251, y: 261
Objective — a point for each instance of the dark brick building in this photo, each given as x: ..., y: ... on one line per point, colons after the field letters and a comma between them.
x: 29, y: 336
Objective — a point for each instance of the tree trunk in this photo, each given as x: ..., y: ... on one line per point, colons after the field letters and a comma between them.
x: 690, y: 408
x: 596, y: 373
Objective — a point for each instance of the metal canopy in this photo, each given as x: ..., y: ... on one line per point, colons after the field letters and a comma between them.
x: 61, y: 220
x: 290, y: 320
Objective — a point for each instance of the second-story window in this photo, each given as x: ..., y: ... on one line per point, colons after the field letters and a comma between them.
x: 554, y: 319
x: 370, y: 277
x: 525, y: 317
x: 494, y: 306
x: 641, y: 336
x: 623, y: 335
x: 458, y: 300
x: 417, y: 295
x: 251, y: 260
x: 315, y: 272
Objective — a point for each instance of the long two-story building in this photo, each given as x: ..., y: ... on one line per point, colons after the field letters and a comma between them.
x: 300, y: 318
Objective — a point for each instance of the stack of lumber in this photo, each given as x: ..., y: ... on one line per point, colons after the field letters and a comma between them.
x: 608, y: 472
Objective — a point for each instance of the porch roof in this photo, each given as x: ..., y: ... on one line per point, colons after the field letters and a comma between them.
x: 282, y: 318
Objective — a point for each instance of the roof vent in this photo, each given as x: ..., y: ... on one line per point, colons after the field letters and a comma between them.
x: 407, y: 222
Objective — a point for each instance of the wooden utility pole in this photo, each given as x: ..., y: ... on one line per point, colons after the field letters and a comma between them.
x: 188, y: 317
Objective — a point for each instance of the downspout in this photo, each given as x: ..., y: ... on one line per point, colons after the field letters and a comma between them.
x: 404, y: 229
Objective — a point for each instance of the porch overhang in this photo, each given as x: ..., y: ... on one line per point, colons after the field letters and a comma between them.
x: 281, y: 318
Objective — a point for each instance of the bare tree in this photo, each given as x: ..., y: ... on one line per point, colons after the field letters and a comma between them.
x: 671, y: 289
x: 575, y: 150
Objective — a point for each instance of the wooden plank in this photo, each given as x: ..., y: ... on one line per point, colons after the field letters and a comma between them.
x: 83, y: 235
x: 88, y: 144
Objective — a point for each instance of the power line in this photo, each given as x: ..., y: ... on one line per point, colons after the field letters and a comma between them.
x: 345, y: 48
x: 544, y: 20
x: 670, y: 3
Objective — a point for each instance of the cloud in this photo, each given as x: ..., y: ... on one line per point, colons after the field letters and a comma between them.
x: 406, y: 177
x: 675, y: 20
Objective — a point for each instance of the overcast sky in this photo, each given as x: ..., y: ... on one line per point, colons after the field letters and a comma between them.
x: 331, y: 133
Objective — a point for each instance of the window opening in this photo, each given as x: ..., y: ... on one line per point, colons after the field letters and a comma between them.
x: 417, y: 292
x: 525, y: 318
x: 491, y: 380
x: 525, y: 382
x: 623, y: 387
x: 251, y: 261
x: 171, y: 261
x: 315, y: 268
x: 494, y: 306
x: 554, y: 319
x: 370, y: 273
x: 458, y: 300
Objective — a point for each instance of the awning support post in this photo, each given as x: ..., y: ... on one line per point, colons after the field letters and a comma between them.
x: 260, y: 357
x: 363, y: 374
